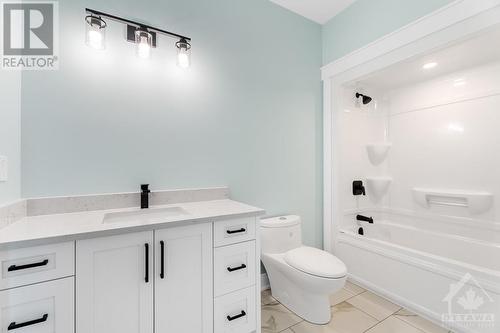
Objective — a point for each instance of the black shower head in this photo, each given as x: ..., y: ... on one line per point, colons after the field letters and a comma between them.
x: 366, y: 99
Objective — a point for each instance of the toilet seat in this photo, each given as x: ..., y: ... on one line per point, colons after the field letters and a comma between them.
x: 316, y: 262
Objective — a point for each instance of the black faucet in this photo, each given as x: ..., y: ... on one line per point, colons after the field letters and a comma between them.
x: 364, y: 218
x: 358, y: 188
x: 145, y: 196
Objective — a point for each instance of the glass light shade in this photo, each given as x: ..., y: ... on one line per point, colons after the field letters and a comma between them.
x: 95, y: 36
x: 183, y: 53
x: 144, y: 42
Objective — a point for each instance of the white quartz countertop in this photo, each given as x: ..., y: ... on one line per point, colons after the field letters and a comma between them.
x: 34, y: 230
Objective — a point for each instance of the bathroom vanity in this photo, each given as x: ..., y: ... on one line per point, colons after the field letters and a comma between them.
x: 184, y: 267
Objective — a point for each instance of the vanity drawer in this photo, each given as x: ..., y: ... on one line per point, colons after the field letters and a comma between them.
x: 234, y: 231
x: 41, y: 308
x: 30, y: 265
x: 234, y: 267
x: 235, y: 312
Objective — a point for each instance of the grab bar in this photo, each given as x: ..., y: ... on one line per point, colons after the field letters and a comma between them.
x: 445, y: 203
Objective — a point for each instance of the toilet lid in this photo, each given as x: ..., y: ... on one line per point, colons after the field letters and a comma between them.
x: 316, y: 262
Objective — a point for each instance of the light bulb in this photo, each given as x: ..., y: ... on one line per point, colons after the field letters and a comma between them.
x: 95, y: 39
x: 143, y: 50
x: 144, y: 41
x: 183, y: 53
x: 95, y: 36
x: 183, y: 60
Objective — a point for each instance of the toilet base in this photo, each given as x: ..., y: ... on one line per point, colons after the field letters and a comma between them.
x: 312, y: 308
x: 305, y: 295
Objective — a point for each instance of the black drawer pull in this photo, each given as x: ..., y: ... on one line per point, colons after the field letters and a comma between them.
x: 14, y: 326
x: 146, y: 262
x: 162, y: 259
x: 13, y: 268
x: 242, y: 314
x: 232, y: 269
x: 236, y: 231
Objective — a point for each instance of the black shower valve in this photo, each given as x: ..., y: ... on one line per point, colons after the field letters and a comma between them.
x: 358, y: 188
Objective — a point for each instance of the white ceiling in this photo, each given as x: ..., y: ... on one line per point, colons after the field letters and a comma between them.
x: 319, y: 11
x: 470, y: 52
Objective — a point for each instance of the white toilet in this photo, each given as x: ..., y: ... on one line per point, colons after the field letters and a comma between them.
x: 302, y: 278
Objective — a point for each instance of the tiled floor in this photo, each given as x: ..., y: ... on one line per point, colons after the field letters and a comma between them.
x: 354, y: 310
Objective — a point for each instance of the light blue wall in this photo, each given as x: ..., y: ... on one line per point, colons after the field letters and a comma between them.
x: 247, y: 114
x: 10, y: 133
x: 367, y: 20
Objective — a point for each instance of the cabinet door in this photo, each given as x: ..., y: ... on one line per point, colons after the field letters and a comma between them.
x: 183, y: 279
x: 114, y: 284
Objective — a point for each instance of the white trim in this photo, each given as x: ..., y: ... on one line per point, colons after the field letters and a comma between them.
x: 327, y: 160
x: 264, y: 282
x: 450, y: 23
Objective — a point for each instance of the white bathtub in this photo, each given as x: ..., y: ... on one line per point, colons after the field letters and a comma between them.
x: 417, y: 268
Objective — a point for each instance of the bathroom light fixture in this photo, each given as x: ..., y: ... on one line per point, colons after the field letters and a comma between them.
x: 430, y: 65
x: 183, y: 53
x: 144, y: 36
x: 95, y: 32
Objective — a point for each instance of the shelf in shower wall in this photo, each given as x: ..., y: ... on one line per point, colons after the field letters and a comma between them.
x: 377, y: 151
x: 476, y: 202
x: 378, y: 186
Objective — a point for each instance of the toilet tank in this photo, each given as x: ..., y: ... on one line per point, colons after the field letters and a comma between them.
x: 280, y: 234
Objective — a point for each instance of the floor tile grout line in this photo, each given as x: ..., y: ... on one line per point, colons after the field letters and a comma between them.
x: 331, y: 306
x: 294, y: 326
x: 404, y: 321
x: 413, y: 325
x: 378, y: 322
x: 360, y: 309
x: 392, y: 314
x: 366, y: 313
x: 289, y: 327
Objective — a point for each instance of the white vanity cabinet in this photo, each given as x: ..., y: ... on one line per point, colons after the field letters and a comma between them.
x: 190, y: 278
x: 122, y: 280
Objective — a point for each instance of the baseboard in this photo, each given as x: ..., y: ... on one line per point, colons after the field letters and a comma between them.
x: 264, y: 282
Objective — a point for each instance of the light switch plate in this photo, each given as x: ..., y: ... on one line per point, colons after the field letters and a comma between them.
x: 4, y: 168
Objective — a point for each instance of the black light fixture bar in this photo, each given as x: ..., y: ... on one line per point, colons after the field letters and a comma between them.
x: 134, y: 23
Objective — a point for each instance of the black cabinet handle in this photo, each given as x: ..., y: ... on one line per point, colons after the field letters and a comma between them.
x: 242, y: 314
x: 13, y: 268
x: 162, y: 259
x: 14, y: 325
x: 232, y: 269
x: 146, y: 259
x: 236, y: 231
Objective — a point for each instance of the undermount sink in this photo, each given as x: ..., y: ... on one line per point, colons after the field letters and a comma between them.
x: 146, y: 215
